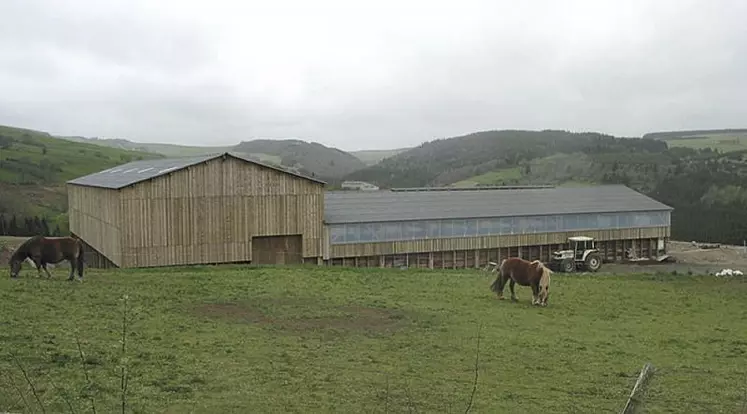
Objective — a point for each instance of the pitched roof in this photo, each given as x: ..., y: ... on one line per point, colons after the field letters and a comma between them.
x: 137, y: 171
x: 373, y: 206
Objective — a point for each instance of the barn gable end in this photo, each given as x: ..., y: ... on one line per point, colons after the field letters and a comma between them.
x: 208, y: 212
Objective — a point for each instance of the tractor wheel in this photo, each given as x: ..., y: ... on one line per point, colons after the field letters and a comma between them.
x: 593, y: 262
x: 568, y: 265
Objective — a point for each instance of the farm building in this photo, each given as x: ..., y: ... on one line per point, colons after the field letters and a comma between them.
x: 454, y: 227
x: 210, y: 209
x: 228, y: 208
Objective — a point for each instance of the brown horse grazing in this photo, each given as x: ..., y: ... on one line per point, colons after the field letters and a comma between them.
x: 525, y: 273
x: 42, y: 250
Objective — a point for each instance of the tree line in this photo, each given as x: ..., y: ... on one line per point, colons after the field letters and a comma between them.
x: 26, y: 226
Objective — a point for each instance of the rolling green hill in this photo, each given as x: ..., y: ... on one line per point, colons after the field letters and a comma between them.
x: 372, y: 157
x: 307, y: 157
x: 447, y: 161
x: 34, y: 167
x: 720, y: 140
x: 169, y: 150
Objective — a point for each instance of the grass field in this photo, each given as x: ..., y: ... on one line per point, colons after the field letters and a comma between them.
x: 558, y: 169
x: 719, y: 142
x: 238, y: 339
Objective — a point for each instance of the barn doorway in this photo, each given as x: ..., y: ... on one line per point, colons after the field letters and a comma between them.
x: 277, y: 250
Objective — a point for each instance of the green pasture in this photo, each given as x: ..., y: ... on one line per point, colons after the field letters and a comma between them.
x: 311, y: 339
x: 717, y: 142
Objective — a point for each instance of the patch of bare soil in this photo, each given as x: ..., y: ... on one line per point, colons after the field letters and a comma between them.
x: 699, y: 258
x: 720, y: 255
x: 350, y: 318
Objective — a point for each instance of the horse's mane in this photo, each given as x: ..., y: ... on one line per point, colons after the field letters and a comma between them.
x: 22, y: 249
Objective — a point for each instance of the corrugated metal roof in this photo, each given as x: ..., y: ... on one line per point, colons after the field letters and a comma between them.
x: 137, y: 171
x: 373, y: 206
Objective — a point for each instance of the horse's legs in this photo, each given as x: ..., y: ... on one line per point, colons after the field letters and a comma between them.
x: 513, y: 294
x: 535, y: 293
x: 72, y: 270
x: 44, y: 265
x: 38, y: 264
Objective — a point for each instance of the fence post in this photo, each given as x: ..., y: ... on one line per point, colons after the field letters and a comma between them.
x: 633, y: 399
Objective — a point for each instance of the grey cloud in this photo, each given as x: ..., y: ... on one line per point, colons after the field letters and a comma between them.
x: 415, y: 74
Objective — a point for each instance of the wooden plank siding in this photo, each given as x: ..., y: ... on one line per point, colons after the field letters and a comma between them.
x: 612, y: 250
x: 203, y: 214
x: 208, y: 213
x: 94, y: 216
x: 486, y: 242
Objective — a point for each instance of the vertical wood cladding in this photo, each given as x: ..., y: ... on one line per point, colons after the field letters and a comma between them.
x: 94, y: 216
x: 206, y: 213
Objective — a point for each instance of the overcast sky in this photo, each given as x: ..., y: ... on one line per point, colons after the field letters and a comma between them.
x: 369, y: 74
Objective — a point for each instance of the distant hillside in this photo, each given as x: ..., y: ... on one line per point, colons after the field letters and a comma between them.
x: 169, y: 150
x: 687, y: 134
x: 720, y: 140
x: 446, y: 161
x: 34, y: 167
x: 324, y: 162
x: 371, y: 157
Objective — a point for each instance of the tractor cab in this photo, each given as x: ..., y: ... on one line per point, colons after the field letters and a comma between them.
x: 581, y: 253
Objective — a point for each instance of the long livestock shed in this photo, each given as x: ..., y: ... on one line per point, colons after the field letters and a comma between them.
x: 227, y: 208
x: 455, y: 228
x: 199, y: 210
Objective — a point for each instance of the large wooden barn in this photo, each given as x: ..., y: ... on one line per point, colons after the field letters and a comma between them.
x: 211, y: 209
x: 228, y: 208
x: 455, y: 228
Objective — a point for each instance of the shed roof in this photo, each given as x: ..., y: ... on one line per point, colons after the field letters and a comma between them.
x: 377, y: 206
x: 137, y: 171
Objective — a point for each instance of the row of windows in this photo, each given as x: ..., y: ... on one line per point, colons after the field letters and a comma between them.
x: 434, y: 229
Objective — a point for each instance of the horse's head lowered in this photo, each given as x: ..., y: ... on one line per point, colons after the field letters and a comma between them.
x: 16, y: 259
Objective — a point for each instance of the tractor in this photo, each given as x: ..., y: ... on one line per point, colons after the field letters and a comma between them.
x: 582, y: 254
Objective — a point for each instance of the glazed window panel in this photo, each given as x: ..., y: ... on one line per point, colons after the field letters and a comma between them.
x: 379, y: 232
x: 607, y: 221
x: 418, y: 230
x: 495, y: 226
x: 367, y: 233
x: 460, y: 228
x: 535, y: 224
x: 447, y: 228
x: 591, y: 221
x: 623, y: 220
x: 337, y: 234
x: 393, y: 231
x: 485, y: 227
x: 352, y: 233
x: 570, y: 222
x: 507, y: 225
x: 554, y: 223
x: 470, y: 228
x: 641, y: 220
x: 434, y: 229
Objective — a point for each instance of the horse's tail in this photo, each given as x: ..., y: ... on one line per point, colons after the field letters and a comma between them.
x: 80, y: 261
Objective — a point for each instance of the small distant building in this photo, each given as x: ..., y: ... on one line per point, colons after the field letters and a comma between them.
x: 359, y: 186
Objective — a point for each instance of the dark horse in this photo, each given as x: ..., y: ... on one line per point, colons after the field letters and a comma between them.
x: 42, y: 250
x: 525, y: 273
